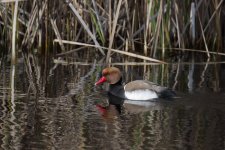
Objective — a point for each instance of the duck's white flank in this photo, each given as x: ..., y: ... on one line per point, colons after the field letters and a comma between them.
x: 140, y: 103
x: 141, y: 94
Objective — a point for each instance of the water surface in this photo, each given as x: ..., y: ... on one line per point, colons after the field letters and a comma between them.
x: 52, y: 106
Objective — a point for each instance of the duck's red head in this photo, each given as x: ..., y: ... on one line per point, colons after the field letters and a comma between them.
x: 111, y: 75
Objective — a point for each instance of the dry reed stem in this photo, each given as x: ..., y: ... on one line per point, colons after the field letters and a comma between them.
x: 55, y: 28
x: 97, y: 16
x: 113, y: 50
x: 113, y: 30
x: 110, y: 18
x: 40, y: 15
x: 196, y: 50
x: 203, y: 35
x: 188, y: 23
x: 190, y: 50
x: 177, y: 25
x: 13, y: 57
x: 150, y: 19
x: 63, y: 62
x: 128, y: 21
x: 8, y: 1
x: 158, y: 25
x: 70, y: 51
x: 214, y: 13
x: 149, y: 7
x: 85, y: 27
x: 9, y: 27
x: 192, y: 20
x: 30, y: 25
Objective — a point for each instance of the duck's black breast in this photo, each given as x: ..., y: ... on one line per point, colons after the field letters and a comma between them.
x: 117, y: 90
x: 115, y: 100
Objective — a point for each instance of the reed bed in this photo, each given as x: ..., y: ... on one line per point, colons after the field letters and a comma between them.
x: 144, y: 28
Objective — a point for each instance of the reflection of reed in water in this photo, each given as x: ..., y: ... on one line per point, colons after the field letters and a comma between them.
x: 11, y: 120
x: 66, y: 118
x: 43, y: 122
x: 13, y: 131
x: 4, y: 134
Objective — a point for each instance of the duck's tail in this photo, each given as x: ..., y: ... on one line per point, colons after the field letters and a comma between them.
x: 167, y: 94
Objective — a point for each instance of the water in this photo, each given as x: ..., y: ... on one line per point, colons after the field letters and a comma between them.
x: 48, y: 106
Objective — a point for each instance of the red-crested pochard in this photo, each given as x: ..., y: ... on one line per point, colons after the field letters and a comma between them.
x: 135, y: 90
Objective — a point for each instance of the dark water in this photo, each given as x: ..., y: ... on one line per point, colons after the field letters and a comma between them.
x: 49, y: 106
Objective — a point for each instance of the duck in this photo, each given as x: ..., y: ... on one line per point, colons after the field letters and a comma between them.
x: 138, y: 90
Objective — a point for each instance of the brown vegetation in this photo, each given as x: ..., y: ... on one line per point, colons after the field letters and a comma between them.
x: 146, y: 27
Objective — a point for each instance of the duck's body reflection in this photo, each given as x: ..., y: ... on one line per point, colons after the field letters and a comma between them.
x: 117, y: 106
x: 114, y: 107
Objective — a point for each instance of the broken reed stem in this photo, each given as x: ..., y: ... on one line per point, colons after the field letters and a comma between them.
x: 113, y: 50
x: 206, y: 63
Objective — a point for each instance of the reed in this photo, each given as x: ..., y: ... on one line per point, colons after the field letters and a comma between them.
x: 145, y: 25
x: 13, y: 58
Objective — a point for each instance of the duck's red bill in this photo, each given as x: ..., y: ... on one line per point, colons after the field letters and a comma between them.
x: 101, y: 108
x: 101, y: 80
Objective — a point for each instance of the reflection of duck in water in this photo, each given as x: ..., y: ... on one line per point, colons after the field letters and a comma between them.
x: 114, y: 107
x: 138, y: 90
x: 117, y: 105
x: 108, y: 112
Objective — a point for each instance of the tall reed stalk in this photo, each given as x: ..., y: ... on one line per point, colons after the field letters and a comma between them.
x: 13, y: 58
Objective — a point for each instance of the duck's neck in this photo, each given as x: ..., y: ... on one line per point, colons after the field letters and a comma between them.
x: 120, y: 82
x: 116, y: 86
x: 117, y: 89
